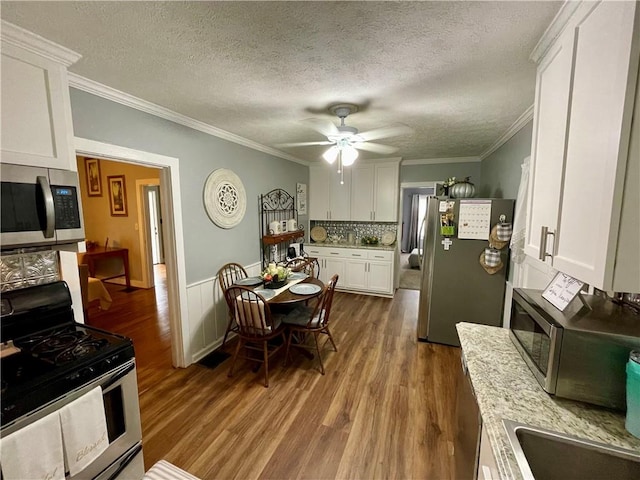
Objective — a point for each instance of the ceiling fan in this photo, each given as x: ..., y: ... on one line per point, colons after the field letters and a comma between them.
x: 345, y: 141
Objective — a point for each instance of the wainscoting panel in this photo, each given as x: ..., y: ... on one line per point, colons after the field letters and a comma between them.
x: 208, y: 315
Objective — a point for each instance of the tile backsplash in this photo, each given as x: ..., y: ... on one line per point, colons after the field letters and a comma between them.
x: 360, y: 229
x: 20, y: 270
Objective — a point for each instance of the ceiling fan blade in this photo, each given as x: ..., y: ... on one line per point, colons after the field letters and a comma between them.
x: 375, y: 147
x: 325, y: 127
x: 303, y: 144
x: 384, y: 132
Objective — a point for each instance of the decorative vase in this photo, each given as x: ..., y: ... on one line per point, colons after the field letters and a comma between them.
x: 462, y: 190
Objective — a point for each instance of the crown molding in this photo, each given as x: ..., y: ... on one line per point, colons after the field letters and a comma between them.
x: 522, y: 120
x: 19, y: 37
x: 555, y: 29
x: 100, y: 90
x: 433, y: 161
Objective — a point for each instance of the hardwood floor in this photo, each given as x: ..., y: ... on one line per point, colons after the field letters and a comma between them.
x: 384, y: 409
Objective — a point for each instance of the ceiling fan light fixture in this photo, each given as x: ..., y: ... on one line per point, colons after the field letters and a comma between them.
x: 349, y: 155
x: 331, y: 154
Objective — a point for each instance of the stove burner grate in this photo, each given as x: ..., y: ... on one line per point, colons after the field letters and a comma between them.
x: 80, y: 350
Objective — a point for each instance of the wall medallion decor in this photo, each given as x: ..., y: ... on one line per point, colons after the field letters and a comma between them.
x: 224, y: 198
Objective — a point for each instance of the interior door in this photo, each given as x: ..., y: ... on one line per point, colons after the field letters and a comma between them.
x: 155, y: 223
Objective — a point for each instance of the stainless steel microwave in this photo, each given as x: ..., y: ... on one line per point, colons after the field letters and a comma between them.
x: 40, y: 206
x: 580, y: 353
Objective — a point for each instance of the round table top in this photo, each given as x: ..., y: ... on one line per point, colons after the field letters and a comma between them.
x: 287, y: 297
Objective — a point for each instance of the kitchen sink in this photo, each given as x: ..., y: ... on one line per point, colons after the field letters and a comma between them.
x: 546, y: 455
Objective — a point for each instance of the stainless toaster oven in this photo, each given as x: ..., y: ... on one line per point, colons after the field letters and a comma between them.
x: 580, y: 353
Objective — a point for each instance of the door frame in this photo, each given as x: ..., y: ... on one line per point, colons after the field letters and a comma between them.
x: 171, y: 204
x: 144, y: 235
x: 403, y: 186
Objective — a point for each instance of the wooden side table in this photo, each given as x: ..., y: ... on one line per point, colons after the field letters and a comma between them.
x: 97, y: 254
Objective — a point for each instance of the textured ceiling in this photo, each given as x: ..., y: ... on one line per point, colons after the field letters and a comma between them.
x: 457, y: 73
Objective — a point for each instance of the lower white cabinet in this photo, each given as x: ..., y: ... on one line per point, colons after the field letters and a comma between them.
x: 360, y: 270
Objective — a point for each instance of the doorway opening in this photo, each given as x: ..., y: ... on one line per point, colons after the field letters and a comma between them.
x: 174, y: 303
x: 413, y: 207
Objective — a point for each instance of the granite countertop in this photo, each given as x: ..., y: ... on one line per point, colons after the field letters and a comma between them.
x: 354, y: 245
x: 506, y: 388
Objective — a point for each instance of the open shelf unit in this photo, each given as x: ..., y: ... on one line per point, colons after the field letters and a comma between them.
x: 279, y: 206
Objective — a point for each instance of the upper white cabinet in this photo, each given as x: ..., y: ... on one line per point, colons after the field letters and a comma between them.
x: 369, y: 193
x: 329, y: 199
x: 584, y: 179
x: 374, y: 192
x: 36, y: 110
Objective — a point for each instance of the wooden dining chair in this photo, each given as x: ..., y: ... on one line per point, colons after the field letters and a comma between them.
x: 311, y: 268
x: 256, y: 326
x: 227, y: 276
x: 315, y: 321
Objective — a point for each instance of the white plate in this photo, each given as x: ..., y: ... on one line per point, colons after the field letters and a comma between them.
x: 388, y: 238
x: 297, y: 275
x: 249, y: 282
x: 305, y: 288
x: 265, y: 292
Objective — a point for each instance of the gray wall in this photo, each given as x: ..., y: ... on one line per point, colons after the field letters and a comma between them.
x: 207, y: 247
x: 501, y: 170
x: 440, y: 171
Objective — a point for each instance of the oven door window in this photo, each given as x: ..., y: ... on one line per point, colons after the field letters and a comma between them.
x: 533, y: 339
x: 114, y: 411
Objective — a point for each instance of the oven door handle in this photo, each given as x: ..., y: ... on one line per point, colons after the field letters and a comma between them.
x: 125, y: 462
x: 118, y: 376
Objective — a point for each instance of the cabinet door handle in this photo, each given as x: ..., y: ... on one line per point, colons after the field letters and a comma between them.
x: 544, y: 234
x: 374, y: 215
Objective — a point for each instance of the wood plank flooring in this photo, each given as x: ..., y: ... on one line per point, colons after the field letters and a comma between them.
x: 384, y: 409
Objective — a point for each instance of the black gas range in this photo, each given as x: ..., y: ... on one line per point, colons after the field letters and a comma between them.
x: 46, y: 354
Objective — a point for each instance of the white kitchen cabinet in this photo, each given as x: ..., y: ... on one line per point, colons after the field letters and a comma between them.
x: 36, y: 109
x: 329, y: 199
x: 596, y: 157
x: 553, y: 82
x: 361, y: 270
x: 374, y: 192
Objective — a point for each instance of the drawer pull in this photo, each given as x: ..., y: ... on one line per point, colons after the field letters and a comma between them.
x: 356, y: 255
x: 334, y: 253
x: 378, y: 256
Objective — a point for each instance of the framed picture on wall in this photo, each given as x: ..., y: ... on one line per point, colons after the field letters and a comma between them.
x: 117, y: 195
x: 301, y: 198
x: 94, y: 181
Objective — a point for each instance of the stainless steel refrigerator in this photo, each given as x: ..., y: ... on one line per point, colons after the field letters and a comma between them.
x: 455, y: 286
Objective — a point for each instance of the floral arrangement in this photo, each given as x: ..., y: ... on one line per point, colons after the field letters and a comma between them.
x: 275, y: 274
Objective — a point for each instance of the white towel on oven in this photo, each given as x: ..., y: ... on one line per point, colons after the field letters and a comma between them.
x: 84, y: 430
x: 34, y: 452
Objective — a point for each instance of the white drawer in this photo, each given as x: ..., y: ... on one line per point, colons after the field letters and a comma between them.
x: 315, y: 251
x: 355, y: 253
x: 383, y: 255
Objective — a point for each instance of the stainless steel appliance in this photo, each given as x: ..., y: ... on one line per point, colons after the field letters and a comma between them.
x: 51, y: 360
x: 580, y: 353
x: 455, y: 287
x: 40, y: 206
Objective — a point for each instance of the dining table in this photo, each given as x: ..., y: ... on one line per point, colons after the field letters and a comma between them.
x: 287, y: 297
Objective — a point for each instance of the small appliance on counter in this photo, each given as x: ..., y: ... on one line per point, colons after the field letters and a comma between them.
x: 579, y: 353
